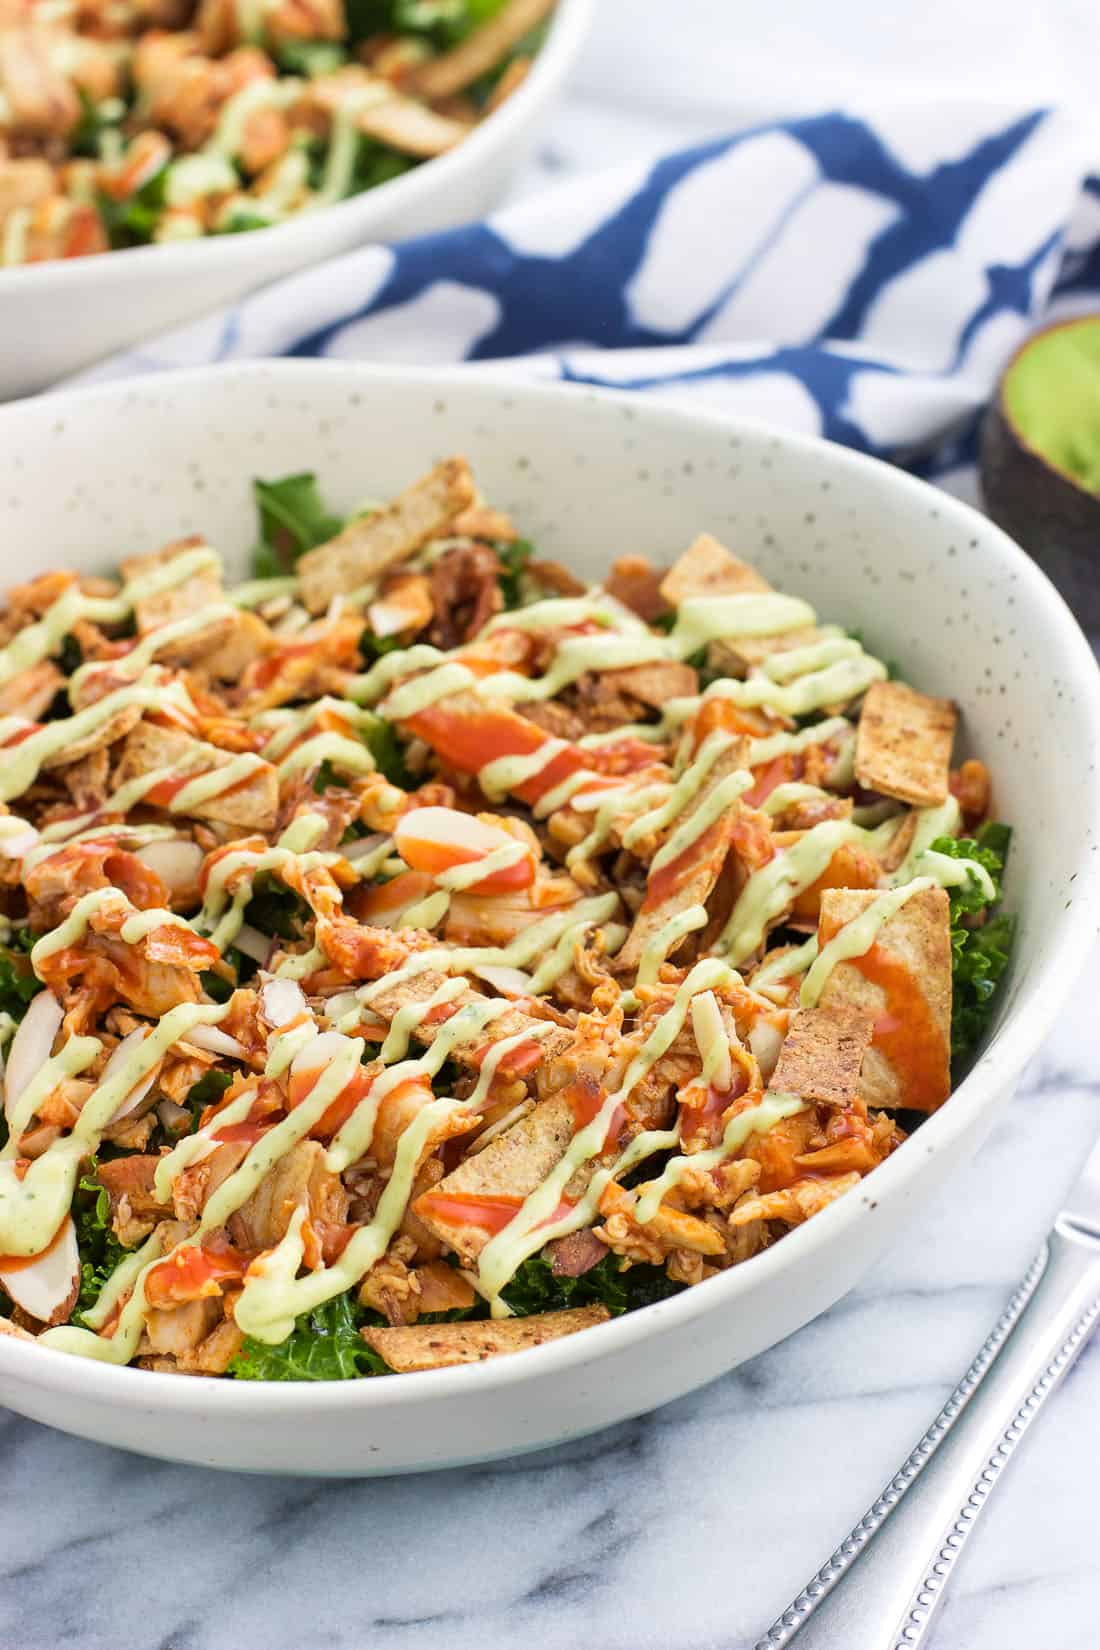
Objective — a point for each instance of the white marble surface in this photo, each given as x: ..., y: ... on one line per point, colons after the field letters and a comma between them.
x: 690, y: 1528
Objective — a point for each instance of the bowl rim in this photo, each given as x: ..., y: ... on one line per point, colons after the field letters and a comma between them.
x: 568, y: 27
x: 988, y: 1083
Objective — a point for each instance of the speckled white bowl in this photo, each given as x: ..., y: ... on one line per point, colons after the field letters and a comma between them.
x: 56, y: 318
x: 97, y: 474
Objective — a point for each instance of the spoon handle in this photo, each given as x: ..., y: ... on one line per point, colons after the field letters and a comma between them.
x: 883, y: 1585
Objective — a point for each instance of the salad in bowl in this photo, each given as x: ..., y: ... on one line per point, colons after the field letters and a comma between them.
x: 416, y: 953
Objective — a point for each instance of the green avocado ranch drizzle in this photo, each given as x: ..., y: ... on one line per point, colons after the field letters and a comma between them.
x: 406, y: 962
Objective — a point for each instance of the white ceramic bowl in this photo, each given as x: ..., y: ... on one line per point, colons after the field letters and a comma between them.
x: 56, y: 318
x: 97, y: 474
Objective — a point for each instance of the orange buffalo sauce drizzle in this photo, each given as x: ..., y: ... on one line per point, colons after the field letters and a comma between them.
x: 471, y: 735
x: 905, y: 1032
x: 194, y: 1272
x: 784, y: 768
x: 668, y: 879
x: 586, y: 1096
x: 697, y: 1119
x: 489, y: 1213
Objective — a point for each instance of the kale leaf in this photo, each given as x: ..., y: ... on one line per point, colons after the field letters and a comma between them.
x: 980, y: 949
x: 216, y: 986
x: 536, y: 1288
x: 325, y: 1345
x: 513, y: 559
x: 18, y: 982
x: 386, y: 747
x: 274, y: 909
x: 293, y: 519
x: 100, y: 1250
x: 209, y: 1089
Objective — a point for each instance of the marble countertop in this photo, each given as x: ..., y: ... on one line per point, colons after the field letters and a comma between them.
x: 690, y: 1528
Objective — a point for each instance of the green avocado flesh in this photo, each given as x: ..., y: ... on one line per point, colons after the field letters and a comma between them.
x: 1051, y: 395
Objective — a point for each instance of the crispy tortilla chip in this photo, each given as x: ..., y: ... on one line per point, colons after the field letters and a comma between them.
x: 653, y: 684
x: 822, y: 1054
x: 246, y: 639
x: 252, y: 804
x: 690, y: 878
x: 510, y: 1166
x: 436, y: 1345
x: 179, y: 602
x: 480, y: 52
x: 707, y: 568
x: 407, y: 126
x: 369, y: 546
x: 904, y: 984
x: 115, y: 727
x: 903, y: 746
x: 736, y: 656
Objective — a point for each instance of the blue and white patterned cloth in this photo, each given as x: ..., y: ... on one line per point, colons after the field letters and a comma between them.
x: 863, y: 278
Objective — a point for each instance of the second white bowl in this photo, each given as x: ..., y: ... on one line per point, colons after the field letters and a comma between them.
x: 56, y: 318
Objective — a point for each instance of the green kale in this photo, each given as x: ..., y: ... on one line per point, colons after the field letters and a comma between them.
x: 310, y: 57
x: 536, y: 1288
x: 131, y: 222
x: 513, y: 559
x: 71, y: 656
x: 293, y: 519
x: 275, y: 909
x: 325, y: 1345
x: 376, y: 164
x: 208, y: 1089
x: 100, y: 1250
x: 85, y: 135
x: 372, y: 648
x: 240, y: 221
x: 216, y: 986
x: 386, y: 747
x: 18, y: 982
x: 980, y: 949
x: 326, y: 776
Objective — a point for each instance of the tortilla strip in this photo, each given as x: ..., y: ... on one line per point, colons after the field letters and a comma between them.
x: 437, y: 1345
x: 707, y: 568
x: 653, y: 684
x: 367, y: 547
x: 180, y: 602
x: 410, y: 128
x: 510, y: 1166
x: 904, y: 984
x: 115, y: 727
x: 480, y: 52
x: 903, y: 744
x: 690, y: 878
x: 822, y: 1054
x: 253, y: 803
x: 420, y: 987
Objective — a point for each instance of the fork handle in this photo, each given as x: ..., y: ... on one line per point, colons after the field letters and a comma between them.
x: 882, y: 1587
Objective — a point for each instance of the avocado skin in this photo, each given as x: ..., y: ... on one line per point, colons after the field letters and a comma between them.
x: 1056, y: 522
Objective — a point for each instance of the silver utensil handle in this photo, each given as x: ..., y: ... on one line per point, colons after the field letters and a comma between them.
x: 881, y: 1588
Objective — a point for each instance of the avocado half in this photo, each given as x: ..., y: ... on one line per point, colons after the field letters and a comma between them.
x: 1040, y: 458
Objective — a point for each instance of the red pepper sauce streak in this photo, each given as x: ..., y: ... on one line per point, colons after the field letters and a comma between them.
x: 905, y: 1032
x: 586, y: 1097
x: 469, y: 735
x: 699, y: 1119
x: 489, y: 1214
x: 779, y: 772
